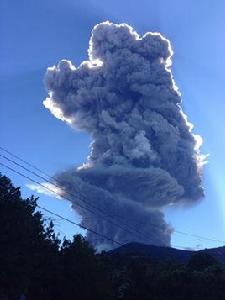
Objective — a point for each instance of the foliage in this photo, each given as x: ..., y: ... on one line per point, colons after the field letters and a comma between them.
x: 35, y: 264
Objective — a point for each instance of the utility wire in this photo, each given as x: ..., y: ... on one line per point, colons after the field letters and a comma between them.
x: 43, y: 178
x: 24, y: 161
x: 55, y: 181
x: 52, y: 191
x: 129, y: 230
x: 69, y: 193
x: 103, y: 237
x: 78, y: 224
x: 59, y: 216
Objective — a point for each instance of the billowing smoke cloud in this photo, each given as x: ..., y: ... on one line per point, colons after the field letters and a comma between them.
x: 143, y: 155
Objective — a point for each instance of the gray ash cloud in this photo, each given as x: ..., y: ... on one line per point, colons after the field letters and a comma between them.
x: 144, y: 155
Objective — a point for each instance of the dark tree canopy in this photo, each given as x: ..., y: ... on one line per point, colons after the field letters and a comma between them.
x: 36, y: 265
x: 25, y: 243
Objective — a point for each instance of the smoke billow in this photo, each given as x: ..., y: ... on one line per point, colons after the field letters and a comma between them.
x: 143, y: 155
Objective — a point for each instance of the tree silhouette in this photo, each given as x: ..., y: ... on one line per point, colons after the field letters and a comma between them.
x: 35, y: 264
x: 25, y: 244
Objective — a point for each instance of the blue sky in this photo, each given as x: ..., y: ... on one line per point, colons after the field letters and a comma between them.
x: 37, y: 34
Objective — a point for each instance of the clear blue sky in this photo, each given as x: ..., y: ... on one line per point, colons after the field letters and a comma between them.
x: 37, y: 34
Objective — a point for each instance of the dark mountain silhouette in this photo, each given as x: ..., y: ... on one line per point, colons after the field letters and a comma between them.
x: 157, y: 253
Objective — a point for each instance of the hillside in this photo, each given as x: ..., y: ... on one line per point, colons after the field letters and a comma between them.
x: 157, y: 253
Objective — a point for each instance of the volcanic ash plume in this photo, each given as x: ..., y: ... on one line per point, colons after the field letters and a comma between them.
x: 143, y: 155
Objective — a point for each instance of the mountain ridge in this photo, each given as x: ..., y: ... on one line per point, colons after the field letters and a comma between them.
x: 160, y: 253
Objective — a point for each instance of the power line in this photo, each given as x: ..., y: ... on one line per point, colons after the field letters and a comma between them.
x: 134, y: 231
x: 24, y: 161
x: 103, y: 237
x: 52, y: 191
x: 69, y: 193
x: 43, y: 178
x: 77, y: 224
x: 61, y: 217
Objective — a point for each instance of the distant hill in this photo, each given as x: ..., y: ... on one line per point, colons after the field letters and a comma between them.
x: 157, y: 253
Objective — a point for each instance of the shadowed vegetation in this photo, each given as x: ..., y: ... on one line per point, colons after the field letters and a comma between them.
x: 35, y: 264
